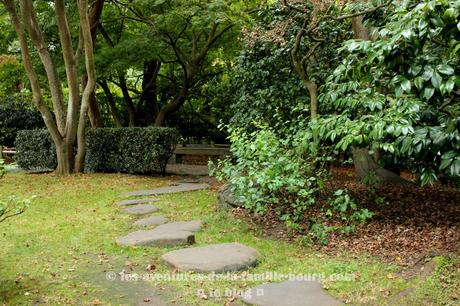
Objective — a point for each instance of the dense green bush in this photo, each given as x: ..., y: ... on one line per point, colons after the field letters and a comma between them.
x: 35, y: 150
x: 400, y: 92
x: 127, y: 150
x: 130, y: 150
x: 287, y: 175
x: 16, y: 115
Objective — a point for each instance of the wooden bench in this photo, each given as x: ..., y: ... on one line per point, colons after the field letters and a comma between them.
x: 4, y: 151
x: 198, y: 154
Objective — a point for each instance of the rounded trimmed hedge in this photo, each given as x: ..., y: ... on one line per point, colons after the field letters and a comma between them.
x: 130, y: 150
x: 127, y: 150
x: 35, y: 150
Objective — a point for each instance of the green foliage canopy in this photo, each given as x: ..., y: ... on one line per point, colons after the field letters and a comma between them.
x: 399, y: 92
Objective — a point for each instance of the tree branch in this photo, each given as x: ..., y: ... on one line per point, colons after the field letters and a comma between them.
x: 30, y: 19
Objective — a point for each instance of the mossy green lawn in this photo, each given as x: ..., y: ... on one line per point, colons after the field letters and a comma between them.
x: 60, y: 249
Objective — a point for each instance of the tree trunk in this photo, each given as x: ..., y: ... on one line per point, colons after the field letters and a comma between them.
x: 313, y: 91
x: 170, y: 108
x: 369, y: 171
x: 64, y: 158
x: 359, y: 30
x: 64, y: 129
x: 366, y: 166
x: 94, y: 114
x: 94, y: 21
x: 148, y: 98
x: 111, y: 102
x: 90, y: 86
x: 129, y: 102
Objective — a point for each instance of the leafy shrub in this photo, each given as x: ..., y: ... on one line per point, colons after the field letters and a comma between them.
x: 287, y: 174
x: 130, y: 150
x: 35, y: 150
x: 266, y: 171
x: 16, y: 115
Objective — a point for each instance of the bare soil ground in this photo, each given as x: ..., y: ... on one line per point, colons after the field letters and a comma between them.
x: 409, y: 223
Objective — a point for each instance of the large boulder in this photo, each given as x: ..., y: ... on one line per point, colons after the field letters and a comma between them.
x: 226, y: 199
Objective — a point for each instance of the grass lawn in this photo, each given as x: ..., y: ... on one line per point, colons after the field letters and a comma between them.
x: 60, y: 250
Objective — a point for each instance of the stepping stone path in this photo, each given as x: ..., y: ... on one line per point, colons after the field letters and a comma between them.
x: 151, y: 221
x: 157, y: 237
x: 168, y: 189
x: 290, y: 293
x: 217, y: 258
x: 135, y: 202
x: 171, y: 234
x: 189, y: 226
x: 140, y: 209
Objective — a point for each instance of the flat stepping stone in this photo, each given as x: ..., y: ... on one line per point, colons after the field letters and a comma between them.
x: 135, y: 202
x: 189, y: 226
x: 140, y: 209
x: 217, y: 258
x: 167, y: 189
x: 151, y: 221
x: 157, y: 238
x: 290, y: 293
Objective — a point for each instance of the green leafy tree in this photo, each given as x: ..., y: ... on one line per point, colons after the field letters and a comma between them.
x: 65, y: 120
x: 399, y: 92
x: 167, y: 49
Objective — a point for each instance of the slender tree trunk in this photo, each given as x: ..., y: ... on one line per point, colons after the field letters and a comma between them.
x: 111, y: 102
x: 94, y: 114
x: 129, y: 102
x: 90, y: 86
x: 313, y: 91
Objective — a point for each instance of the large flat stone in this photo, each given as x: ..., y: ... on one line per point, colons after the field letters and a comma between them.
x: 151, y: 221
x: 157, y: 237
x: 189, y: 226
x: 214, y: 258
x: 290, y: 293
x: 167, y: 189
x: 135, y: 202
x: 140, y: 209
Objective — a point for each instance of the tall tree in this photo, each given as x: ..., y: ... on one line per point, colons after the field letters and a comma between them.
x: 168, y: 48
x: 67, y: 127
